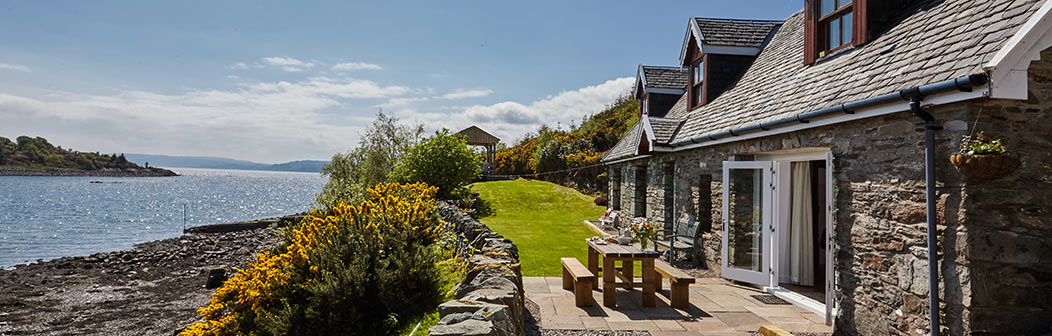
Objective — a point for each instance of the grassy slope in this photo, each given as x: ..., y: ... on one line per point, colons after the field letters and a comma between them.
x: 543, y: 219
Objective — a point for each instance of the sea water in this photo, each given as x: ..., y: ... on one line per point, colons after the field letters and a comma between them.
x: 52, y: 217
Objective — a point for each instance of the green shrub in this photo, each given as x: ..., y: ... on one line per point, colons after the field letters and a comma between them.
x: 53, y: 159
x: 84, y: 161
x: 444, y: 160
x: 363, y: 292
x: 367, y: 269
x: 982, y: 145
x: 369, y: 163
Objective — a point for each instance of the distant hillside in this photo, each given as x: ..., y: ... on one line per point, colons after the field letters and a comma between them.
x: 578, y: 149
x: 36, y: 156
x: 169, y: 161
x: 299, y: 166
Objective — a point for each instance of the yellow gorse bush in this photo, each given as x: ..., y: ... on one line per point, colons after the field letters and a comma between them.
x: 389, y: 211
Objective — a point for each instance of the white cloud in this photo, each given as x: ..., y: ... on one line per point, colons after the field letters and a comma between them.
x: 286, y: 61
x: 456, y: 94
x: 403, y: 101
x: 351, y: 66
x: 14, y: 67
x: 288, y: 64
x: 263, y: 121
x: 461, y: 94
x: 511, y: 120
x: 277, y: 121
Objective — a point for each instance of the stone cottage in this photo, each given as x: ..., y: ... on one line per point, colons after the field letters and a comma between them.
x: 814, y: 154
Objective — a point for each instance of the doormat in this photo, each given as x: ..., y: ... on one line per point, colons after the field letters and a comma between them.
x: 769, y: 299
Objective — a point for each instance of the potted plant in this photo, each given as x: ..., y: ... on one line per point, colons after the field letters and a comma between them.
x: 644, y: 231
x: 983, y: 158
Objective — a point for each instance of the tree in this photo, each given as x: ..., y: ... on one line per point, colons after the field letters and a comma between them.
x: 444, y: 160
x: 369, y: 163
x: 122, y: 162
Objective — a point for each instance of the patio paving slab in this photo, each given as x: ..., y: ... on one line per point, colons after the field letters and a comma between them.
x: 717, y: 307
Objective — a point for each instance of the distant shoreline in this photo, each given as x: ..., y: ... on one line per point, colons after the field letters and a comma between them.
x: 105, y: 172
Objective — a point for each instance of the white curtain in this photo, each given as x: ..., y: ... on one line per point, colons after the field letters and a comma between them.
x: 801, y: 255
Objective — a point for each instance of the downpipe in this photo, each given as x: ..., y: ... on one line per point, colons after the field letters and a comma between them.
x: 930, y: 127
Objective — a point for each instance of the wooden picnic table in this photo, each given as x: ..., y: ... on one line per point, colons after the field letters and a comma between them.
x: 627, y: 255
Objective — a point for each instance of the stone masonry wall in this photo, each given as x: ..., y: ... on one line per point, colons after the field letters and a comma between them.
x: 490, y: 300
x: 656, y: 196
x: 879, y: 216
x: 628, y: 184
x: 1009, y: 248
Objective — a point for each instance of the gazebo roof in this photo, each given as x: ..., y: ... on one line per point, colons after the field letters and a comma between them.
x: 477, y: 137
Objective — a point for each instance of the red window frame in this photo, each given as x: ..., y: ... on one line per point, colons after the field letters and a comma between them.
x: 644, y: 104
x: 816, y: 28
x: 824, y: 27
x: 697, y: 83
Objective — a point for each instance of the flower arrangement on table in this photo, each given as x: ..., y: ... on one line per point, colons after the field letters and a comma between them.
x: 644, y: 231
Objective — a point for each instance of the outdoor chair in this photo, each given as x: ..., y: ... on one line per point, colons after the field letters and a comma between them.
x: 610, y: 220
x: 682, y: 237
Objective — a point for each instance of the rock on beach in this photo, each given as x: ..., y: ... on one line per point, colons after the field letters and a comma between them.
x: 152, y: 289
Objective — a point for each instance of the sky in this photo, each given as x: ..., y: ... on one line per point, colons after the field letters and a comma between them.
x: 271, y: 81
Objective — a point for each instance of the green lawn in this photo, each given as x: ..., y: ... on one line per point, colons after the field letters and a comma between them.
x: 544, y: 219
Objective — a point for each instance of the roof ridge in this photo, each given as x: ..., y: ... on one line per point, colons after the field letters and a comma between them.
x: 663, y: 67
x: 664, y: 118
x: 738, y: 20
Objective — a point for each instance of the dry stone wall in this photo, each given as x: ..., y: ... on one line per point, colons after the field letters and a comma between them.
x: 490, y: 300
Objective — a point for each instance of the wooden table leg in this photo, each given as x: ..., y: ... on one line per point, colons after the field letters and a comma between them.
x: 609, y: 287
x: 648, y: 282
x: 628, y: 269
x: 593, y: 266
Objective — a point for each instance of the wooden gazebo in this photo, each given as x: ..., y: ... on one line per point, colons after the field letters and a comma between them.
x: 477, y: 137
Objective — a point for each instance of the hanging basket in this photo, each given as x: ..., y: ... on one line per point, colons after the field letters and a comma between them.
x: 985, y: 167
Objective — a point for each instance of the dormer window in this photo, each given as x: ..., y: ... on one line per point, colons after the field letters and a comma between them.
x: 658, y: 88
x: 832, y: 25
x: 697, y: 79
x: 644, y: 107
x: 837, y: 24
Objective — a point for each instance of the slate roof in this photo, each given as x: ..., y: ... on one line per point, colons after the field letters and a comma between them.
x: 664, y: 128
x: 935, y: 40
x: 679, y: 108
x: 626, y: 146
x: 735, y: 33
x: 662, y: 77
x: 929, y: 41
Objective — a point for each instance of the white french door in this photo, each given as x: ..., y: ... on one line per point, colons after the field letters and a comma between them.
x: 830, y: 279
x: 747, y: 216
x: 780, y: 229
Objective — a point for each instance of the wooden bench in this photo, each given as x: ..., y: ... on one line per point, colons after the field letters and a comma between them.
x: 680, y: 292
x: 578, y: 278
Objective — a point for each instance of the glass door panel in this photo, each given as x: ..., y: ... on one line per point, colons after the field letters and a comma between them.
x: 746, y: 221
